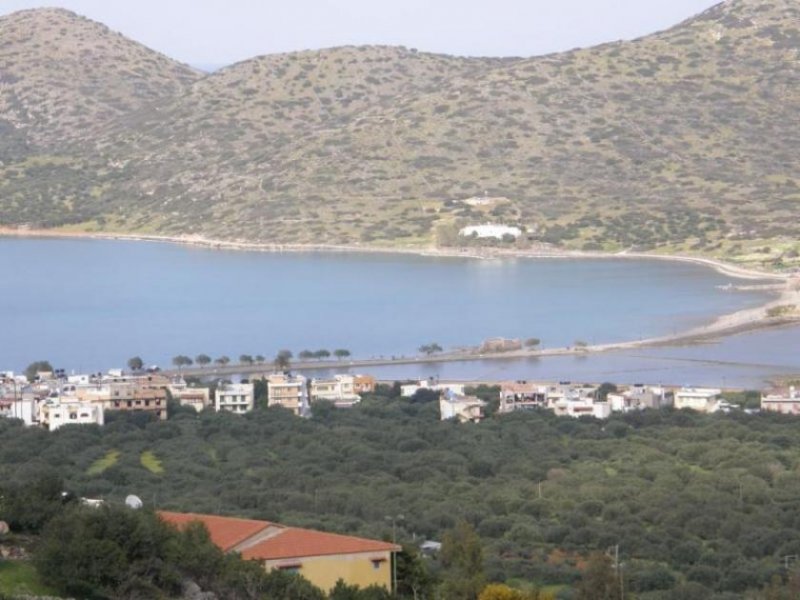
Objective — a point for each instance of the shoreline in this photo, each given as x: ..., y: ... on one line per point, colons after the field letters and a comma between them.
x: 475, y: 253
x: 694, y: 336
x: 728, y: 324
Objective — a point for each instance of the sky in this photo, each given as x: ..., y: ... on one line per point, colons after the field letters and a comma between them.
x: 220, y: 32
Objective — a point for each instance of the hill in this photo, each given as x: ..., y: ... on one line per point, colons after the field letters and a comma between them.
x: 684, y: 140
x: 62, y: 79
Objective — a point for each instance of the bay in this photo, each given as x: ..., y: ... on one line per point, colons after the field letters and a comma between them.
x: 91, y: 304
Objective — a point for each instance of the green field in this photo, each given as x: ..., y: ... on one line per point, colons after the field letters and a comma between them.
x: 103, y: 464
x: 151, y: 462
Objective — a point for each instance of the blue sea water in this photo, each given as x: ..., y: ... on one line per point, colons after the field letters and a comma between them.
x: 92, y: 304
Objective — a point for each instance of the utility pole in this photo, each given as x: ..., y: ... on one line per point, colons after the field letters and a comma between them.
x: 618, y: 569
x: 394, y: 554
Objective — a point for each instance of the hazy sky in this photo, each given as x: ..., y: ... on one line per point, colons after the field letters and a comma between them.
x: 217, y: 32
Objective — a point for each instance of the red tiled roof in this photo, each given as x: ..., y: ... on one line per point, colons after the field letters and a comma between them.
x: 297, y: 543
x: 225, y: 532
x: 285, y: 542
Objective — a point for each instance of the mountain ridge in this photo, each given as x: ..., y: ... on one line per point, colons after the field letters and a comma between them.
x: 682, y: 140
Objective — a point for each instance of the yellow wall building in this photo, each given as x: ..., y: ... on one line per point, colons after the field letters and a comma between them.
x: 322, y: 558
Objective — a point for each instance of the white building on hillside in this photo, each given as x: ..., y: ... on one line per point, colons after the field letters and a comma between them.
x: 490, y: 230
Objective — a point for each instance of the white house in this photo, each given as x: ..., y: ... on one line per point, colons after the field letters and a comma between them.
x: 410, y: 389
x: 339, y: 389
x: 782, y: 400
x: 700, y: 399
x: 26, y: 409
x: 581, y: 407
x: 54, y: 413
x: 638, y: 397
x: 237, y: 398
x: 490, y: 230
x: 467, y: 409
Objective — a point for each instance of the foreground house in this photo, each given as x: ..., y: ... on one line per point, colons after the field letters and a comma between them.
x: 322, y: 558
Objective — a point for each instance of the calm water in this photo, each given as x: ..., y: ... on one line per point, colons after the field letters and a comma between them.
x: 90, y: 304
x: 749, y: 360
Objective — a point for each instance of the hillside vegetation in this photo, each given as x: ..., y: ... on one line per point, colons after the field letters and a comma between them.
x: 701, y: 506
x: 684, y: 140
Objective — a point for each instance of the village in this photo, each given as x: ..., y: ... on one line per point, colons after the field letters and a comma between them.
x: 53, y: 399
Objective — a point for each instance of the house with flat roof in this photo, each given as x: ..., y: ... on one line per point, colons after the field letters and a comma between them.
x: 322, y: 558
x: 409, y: 389
x: 700, y: 399
x: 465, y: 409
x: 290, y: 392
x: 54, y: 413
x: 781, y: 400
x: 521, y: 395
x: 339, y: 389
x: 197, y: 398
x: 237, y: 398
x: 638, y: 397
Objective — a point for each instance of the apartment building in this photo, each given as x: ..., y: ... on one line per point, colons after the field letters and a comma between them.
x: 339, y: 389
x: 290, y: 392
x: 237, y: 398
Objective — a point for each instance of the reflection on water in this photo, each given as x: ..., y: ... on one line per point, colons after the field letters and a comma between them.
x: 92, y: 304
x: 748, y: 360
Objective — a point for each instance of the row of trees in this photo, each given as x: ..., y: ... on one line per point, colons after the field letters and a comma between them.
x: 282, y: 359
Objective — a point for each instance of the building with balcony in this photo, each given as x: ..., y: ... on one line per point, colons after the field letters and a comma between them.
x: 237, y: 398
x: 339, y: 389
